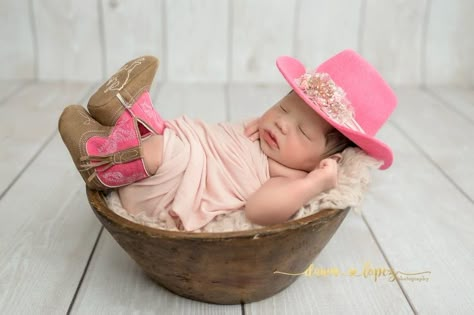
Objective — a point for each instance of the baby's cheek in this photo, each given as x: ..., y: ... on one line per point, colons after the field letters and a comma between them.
x: 297, y: 149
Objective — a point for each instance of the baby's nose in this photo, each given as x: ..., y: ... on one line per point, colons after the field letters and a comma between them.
x: 282, y: 125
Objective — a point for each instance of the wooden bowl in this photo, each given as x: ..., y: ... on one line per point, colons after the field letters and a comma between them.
x: 222, y: 268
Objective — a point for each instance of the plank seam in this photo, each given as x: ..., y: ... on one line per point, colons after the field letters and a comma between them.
x: 446, y: 104
x: 34, y: 34
x: 360, y: 31
x: 43, y: 146
x: 85, y: 271
x: 426, y: 156
x: 227, y: 101
x: 15, y: 91
x: 296, y: 16
x: 389, y: 265
x: 424, y: 40
x: 100, y: 9
x: 164, y: 32
x: 230, y: 38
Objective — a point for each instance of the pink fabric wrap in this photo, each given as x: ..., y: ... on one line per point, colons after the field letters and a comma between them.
x: 207, y: 170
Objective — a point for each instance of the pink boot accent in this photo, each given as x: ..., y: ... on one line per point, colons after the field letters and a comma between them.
x: 143, y: 109
x: 118, y: 158
x: 124, y: 136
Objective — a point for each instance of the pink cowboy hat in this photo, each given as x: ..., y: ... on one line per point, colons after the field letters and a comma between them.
x: 349, y: 94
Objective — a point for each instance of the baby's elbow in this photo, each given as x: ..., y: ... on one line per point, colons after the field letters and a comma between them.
x: 250, y: 213
x: 253, y: 214
x: 257, y: 215
x: 255, y: 219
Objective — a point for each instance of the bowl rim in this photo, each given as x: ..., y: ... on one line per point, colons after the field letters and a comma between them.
x: 99, y: 205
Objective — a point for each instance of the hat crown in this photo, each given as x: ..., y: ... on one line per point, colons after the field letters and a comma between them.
x: 372, y: 99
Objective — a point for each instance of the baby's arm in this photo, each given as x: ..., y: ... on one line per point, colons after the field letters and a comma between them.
x: 280, y: 197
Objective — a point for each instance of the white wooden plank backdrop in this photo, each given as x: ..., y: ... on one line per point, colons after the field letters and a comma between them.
x: 17, y: 41
x: 448, y: 52
x: 351, y: 247
x: 9, y: 88
x: 197, y: 34
x: 411, y: 42
x: 392, y: 38
x: 424, y: 223
x: 262, y: 30
x: 449, y: 140
x: 46, y: 237
x: 217, y: 58
x: 28, y: 121
x: 68, y: 37
x: 130, y: 31
x: 323, y: 29
x: 198, y: 101
x: 56, y: 259
x: 460, y: 100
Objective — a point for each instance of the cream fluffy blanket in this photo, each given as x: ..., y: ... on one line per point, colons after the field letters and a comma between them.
x: 353, y: 181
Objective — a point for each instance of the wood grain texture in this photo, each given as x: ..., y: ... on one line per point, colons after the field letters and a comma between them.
x: 461, y: 100
x: 69, y: 46
x: 46, y: 235
x: 248, y: 101
x: 261, y: 31
x: 410, y: 42
x: 218, y: 267
x: 324, y: 28
x: 28, y: 120
x: 133, y: 29
x: 392, y: 39
x: 198, y: 101
x: 197, y: 40
x: 350, y: 248
x: 419, y: 213
x: 442, y: 134
x: 132, y: 290
x: 449, y: 48
x: 420, y: 218
x: 9, y: 88
x: 17, y: 55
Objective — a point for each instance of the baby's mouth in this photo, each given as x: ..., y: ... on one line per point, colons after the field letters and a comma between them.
x: 270, y: 138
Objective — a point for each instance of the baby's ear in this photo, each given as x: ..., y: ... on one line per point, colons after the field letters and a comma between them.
x: 337, y: 157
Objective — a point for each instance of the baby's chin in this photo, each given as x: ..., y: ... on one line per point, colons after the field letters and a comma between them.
x: 267, y: 150
x: 263, y: 146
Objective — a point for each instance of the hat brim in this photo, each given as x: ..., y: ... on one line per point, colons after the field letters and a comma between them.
x: 292, y: 69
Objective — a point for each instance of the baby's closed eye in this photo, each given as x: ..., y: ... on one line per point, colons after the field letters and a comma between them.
x: 303, y: 132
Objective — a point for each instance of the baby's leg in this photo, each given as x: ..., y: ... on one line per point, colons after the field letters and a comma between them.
x: 152, y: 153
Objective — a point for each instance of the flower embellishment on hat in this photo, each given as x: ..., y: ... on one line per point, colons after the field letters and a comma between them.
x: 329, y: 98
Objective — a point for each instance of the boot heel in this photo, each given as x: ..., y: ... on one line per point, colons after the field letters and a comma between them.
x: 106, y: 157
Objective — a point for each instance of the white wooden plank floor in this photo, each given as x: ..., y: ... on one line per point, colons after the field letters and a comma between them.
x: 55, y: 258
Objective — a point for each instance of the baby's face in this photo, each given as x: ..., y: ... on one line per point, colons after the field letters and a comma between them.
x: 293, y: 134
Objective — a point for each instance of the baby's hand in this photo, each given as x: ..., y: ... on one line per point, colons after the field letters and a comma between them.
x: 326, y: 174
x: 251, y: 130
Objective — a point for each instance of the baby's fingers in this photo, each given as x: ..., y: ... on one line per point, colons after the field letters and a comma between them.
x: 251, y: 130
x: 328, y: 163
x: 254, y: 136
x: 251, y: 127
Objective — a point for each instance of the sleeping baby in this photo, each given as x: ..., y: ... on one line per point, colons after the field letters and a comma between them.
x: 269, y: 166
